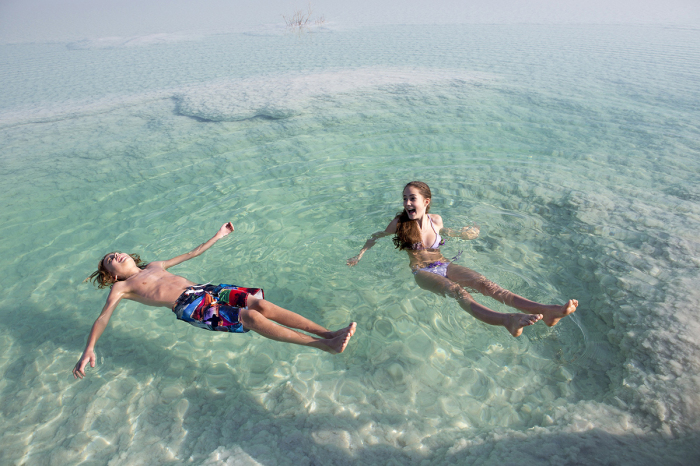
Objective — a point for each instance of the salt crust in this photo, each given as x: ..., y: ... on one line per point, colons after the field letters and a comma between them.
x: 276, y: 97
x: 128, y: 42
x: 287, y: 96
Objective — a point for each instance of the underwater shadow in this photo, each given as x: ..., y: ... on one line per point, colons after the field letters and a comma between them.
x: 228, y: 423
x: 208, y: 423
x: 594, y: 446
x: 253, y: 435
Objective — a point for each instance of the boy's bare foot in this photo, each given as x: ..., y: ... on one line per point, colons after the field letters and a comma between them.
x: 552, y: 317
x: 339, y: 341
x: 516, y: 322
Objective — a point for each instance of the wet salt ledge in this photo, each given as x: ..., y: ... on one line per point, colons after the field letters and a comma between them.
x: 288, y: 96
x: 584, y: 184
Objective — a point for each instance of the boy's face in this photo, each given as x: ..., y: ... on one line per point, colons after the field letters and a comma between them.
x: 117, y: 263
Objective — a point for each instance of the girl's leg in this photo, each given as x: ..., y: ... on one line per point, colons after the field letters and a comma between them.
x: 441, y: 285
x: 470, y: 279
x: 260, y: 314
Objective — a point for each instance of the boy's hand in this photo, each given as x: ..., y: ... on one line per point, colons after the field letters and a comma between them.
x: 225, y: 229
x: 79, y: 369
x: 353, y: 261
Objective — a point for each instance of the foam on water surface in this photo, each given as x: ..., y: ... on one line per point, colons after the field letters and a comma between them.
x: 584, y: 185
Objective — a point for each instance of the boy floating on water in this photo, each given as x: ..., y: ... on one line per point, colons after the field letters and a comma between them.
x: 213, y: 307
x: 418, y: 233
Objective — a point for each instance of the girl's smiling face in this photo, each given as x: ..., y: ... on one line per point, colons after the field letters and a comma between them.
x: 414, y: 203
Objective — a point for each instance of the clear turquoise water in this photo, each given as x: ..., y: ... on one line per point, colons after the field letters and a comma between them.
x: 575, y: 148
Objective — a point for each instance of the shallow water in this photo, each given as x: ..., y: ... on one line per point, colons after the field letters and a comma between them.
x: 574, y: 148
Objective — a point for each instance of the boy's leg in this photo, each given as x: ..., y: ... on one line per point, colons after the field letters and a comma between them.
x: 470, y: 279
x: 441, y: 285
x: 287, y: 318
x: 255, y: 318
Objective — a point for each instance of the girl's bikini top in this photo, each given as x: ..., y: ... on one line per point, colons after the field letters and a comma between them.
x: 438, y: 239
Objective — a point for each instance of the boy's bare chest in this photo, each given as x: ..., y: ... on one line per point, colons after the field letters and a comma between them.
x: 158, y: 286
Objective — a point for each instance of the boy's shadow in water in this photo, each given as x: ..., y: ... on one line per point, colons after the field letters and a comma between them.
x: 218, y: 425
x: 210, y: 421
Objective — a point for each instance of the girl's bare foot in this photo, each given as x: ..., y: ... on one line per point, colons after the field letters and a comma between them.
x: 335, y: 333
x: 552, y: 317
x: 339, y: 341
x: 516, y: 322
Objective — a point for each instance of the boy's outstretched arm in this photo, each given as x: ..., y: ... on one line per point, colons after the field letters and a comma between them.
x: 97, y: 328
x: 390, y: 230
x: 225, y: 229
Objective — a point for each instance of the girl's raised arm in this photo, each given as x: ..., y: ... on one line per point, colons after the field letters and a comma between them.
x: 390, y: 230
x: 470, y: 232
x: 223, y: 231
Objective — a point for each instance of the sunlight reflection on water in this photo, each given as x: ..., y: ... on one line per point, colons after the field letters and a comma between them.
x: 572, y: 190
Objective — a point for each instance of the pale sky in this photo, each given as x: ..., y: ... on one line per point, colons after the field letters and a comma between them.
x: 47, y: 20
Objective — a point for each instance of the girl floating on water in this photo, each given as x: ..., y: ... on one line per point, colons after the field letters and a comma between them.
x: 418, y: 233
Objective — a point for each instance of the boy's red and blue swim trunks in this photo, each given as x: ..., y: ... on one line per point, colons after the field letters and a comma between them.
x: 215, y: 307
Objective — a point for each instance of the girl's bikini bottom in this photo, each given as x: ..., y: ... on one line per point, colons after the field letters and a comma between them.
x: 438, y: 267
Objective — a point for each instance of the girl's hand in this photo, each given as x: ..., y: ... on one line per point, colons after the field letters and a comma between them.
x: 79, y: 369
x: 353, y: 261
x: 470, y: 232
x: 225, y: 230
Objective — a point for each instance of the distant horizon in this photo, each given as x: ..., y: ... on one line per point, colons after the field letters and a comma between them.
x: 72, y: 20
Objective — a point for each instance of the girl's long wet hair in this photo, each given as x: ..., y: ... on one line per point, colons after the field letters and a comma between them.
x: 102, y: 279
x: 407, y: 231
